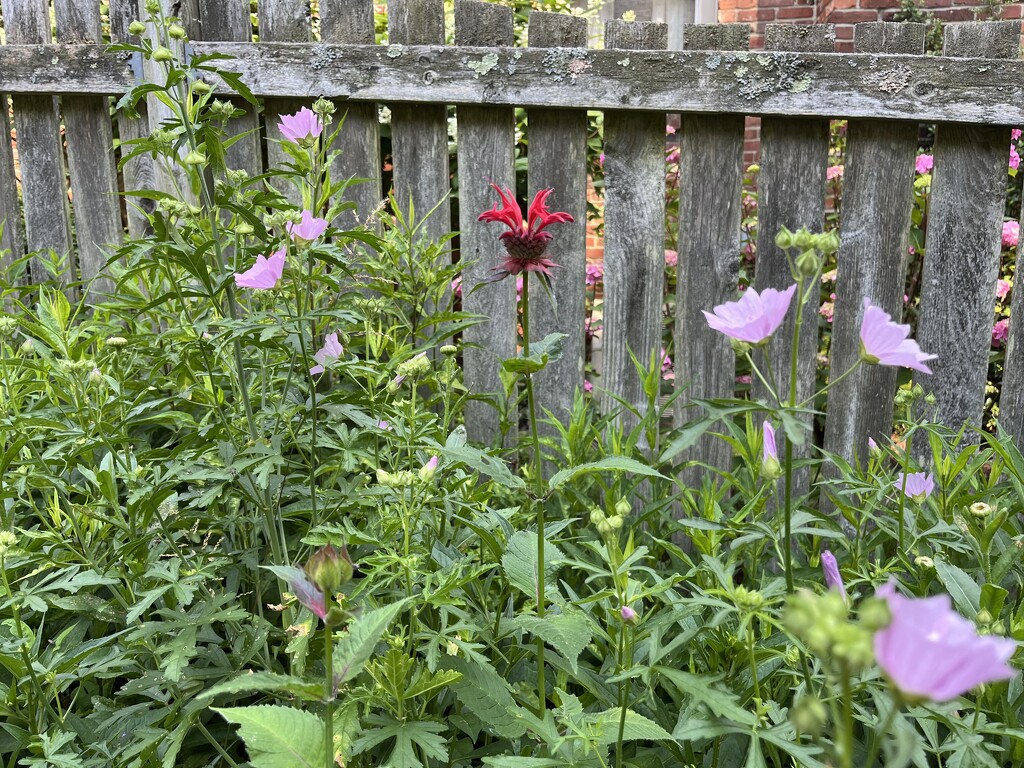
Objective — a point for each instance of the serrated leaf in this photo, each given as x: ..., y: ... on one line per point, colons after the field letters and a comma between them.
x: 407, y: 734
x: 962, y: 588
x: 568, y: 633
x: 520, y: 564
x: 267, y: 682
x: 523, y: 762
x: 721, y: 702
x: 484, y: 463
x: 609, y: 464
x: 488, y: 696
x: 278, y: 737
x: 354, y: 649
x: 636, y: 727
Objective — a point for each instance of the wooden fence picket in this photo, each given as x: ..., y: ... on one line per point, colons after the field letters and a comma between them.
x: 710, y: 147
x: 41, y: 156
x: 12, y: 241
x: 634, y: 241
x: 90, y: 142
x: 875, y: 222
x: 486, y: 139
x: 351, y: 22
x: 419, y: 132
x: 963, y: 243
x: 557, y: 160
x: 791, y: 193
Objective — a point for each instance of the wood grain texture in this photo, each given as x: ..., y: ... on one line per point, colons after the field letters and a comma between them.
x: 634, y: 235
x: 283, y: 21
x: 878, y: 196
x: 963, y: 242
x: 137, y: 173
x: 791, y: 193
x: 90, y: 144
x: 486, y: 137
x: 41, y: 157
x: 12, y: 239
x: 710, y: 147
x: 802, y: 84
x: 351, y: 21
x: 419, y: 134
x: 230, y: 20
x: 557, y: 160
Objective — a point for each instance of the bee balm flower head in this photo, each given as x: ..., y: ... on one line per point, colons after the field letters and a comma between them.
x: 930, y: 652
x: 754, y: 317
x: 525, y: 241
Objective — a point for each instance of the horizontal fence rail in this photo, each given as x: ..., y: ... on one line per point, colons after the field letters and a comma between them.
x: 974, y: 92
x: 837, y: 85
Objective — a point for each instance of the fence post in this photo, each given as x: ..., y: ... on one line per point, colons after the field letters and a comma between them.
x: 634, y: 235
x: 90, y: 142
x: 963, y: 243
x: 791, y: 193
x: 558, y: 160
x: 875, y: 221
x: 710, y: 147
x: 12, y: 242
x: 485, y: 146
x: 41, y: 157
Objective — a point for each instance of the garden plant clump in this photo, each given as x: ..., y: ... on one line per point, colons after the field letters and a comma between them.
x: 242, y: 523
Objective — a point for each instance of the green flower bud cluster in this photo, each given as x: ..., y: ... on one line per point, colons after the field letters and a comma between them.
x: 178, y: 208
x: 606, y: 526
x: 328, y: 568
x: 402, y: 479
x: 278, y: 219
x: 414, y: 367
x: 747, y: 600
x: 824, y: 624
x: 8, y: 327
x: 237, y: 177
x: 324, y: 108
x: 137, y: 28
x: 8, y: 540
x: 221, y: 110
x: 809, y: 245
x: 809, y: 715
x: 163, y: 138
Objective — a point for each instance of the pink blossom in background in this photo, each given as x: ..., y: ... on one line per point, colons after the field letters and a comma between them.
x: 755, y: 317
x: 744, y: 379
x: 669, y: 129
x: 519, y: 287
x: 457, y: 286
x: 1002, y: 288
x: 671, y: 258
x: 672, y: 157
x: 1011, y: 233
x: 1000, y: 332
x: 830, y: 569
x: 930, y: 652
x: 834, y: 172
x: 383, y: 425
x: 919, y: 485
x: 666, y: 366
x: 303, y: 125
x: 600, y: 159
x: 264, y: 274
x: 309, y: 229
x: 883, y: 342
x: 905, y: 298
x: 1014, y: 158
x: 331, y: 350
x: 595, y: 273
x: 826, y: 310
x: 588, y: 327
x: 1014, y: 134
x: 588, y: 387
x: 769, y: 448
x: 924, y: 163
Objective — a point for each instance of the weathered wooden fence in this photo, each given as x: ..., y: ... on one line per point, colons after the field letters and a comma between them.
x: 975, y: 94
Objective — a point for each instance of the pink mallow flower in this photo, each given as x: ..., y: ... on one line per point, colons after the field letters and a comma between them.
x: 457, y: 286
x: 264, y: 274
x: 830, y: 568
x: 595, y: 273
x: 1014, y: 134
x: 931, y: 653
x: 924, y: 163
x: 1011, y: 233
x: 1000, y: 331
x: 754, y: 318
x: 331, y: 350
x: 883, y: 342
x: 525, y: 241
x: 834, y: 172
x: 919, y: 485
x: 1014, y: 158
x: 671, y: 258
x: 587, y: 386
x: 304, y: 125
x: 309, y: 229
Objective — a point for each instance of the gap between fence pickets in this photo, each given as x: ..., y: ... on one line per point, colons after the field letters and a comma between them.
x: 918, y: 88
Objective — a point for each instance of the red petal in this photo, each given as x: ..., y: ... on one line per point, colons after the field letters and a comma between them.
x: 509, y: 214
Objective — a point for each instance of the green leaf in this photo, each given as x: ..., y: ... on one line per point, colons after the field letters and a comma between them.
x: 279, y: 737
x: 408, y: 734
x: 523, y: 762
x: 636, y: 728
x: 267, y: 682
x: 992, y: 598
x: 520, y: 564
x: 355, y: 648
x: 720, y: 702
x: 484, y: 463
x: 488, y: 696
x: 962, y: 588
x: 611, y: 463
x: 521, y: 365
x: 568, y: 633
x: 552, y: 345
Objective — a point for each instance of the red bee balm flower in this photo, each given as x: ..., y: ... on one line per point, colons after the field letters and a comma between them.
x: 525, y: 241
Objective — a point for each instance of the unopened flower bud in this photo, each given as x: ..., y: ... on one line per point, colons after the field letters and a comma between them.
x: 328, y: 569
x: 874, y: 614
x: 741, y: 348
x: 784, y: 239
x: 194, y: 158
x: 808, y: 263
x: 137, y: 28
x: 929, y: 399
x: 163, y: 54
x: 8, y: 325
x: 604, y: 528
x: 244, y: 229
x: 597, y: 516
x: 449, y: 349
x: 428, y: 470
x: 95, y: 377
x: 809, y: 715
x: 8, y: 539
x: 335, y: 617
x: 924, y: 562
x: 829, y: 242
x: 323, y: 108
x: 200, y: 87
x: 984, y: 617
x: 27, y: 347
x: 616, y: 522
x: 803, y: 239
x: 116, y: 341
x: 629, y: 616
x: 176, y: 32
x: 981, y: 509
x: 622, y: 507
x: 771, y: 469
x: 383, y: 477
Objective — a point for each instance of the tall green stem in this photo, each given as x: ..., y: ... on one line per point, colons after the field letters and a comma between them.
x: 876, y: 740
x: 329, y: 693
x: 790, y: 402
x: 903, y: 488
x: 538, y: 502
